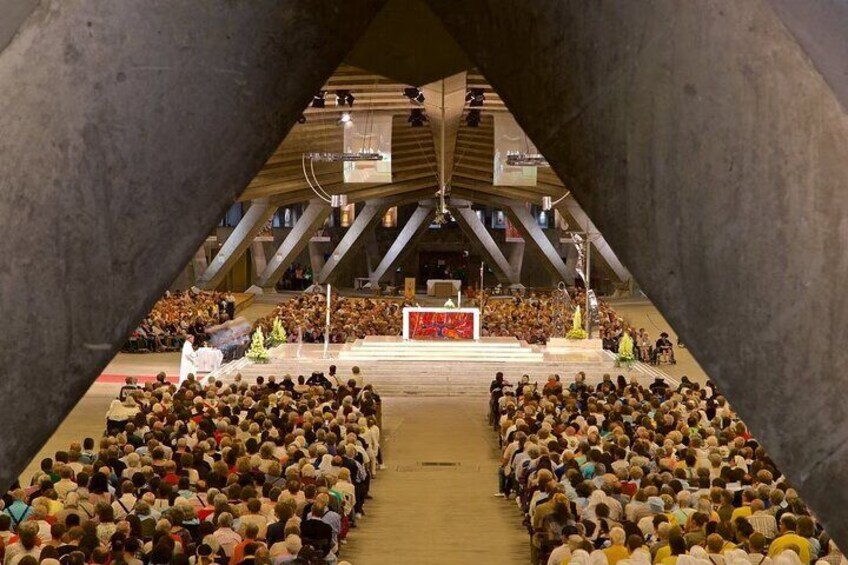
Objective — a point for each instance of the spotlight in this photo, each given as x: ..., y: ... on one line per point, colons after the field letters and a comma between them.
x: 547, y: 203
x: 301, y: 119
x: 338, y: 200
x: 345, y: 118
x: 473, y: 119
x: 318, y: 99
x: 344, y: 97
x: 417, y: 118
x: 414, y: 94
x: 475, y: 97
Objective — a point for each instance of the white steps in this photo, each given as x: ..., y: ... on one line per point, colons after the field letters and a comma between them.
x: 452, y: 375
x: 504, y: 350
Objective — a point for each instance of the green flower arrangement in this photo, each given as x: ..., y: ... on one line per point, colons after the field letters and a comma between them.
x: 625, y: 351
x: 257, y: 352
x: 278, y: 332
x: 577, y: 331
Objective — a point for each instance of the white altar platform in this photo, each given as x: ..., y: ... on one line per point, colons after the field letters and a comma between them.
x: 438, y: 368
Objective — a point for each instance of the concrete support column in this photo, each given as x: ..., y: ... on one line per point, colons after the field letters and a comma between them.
x: 316, y: 255
x: 295, y: 242
x: 526, y: 223
x: 599, y: 244
x: 372, y: 249
x: 483, y: 242
x: 258, y: 214
x: 417, y: 223
x: 258, y: 258
x: 364, y: 221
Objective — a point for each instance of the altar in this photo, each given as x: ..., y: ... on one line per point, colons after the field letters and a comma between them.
x: 441, y: 323
x: 443, y: 288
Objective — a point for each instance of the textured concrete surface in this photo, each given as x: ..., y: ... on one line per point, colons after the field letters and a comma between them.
x: 127, y: 128
x: 711, y: 153
x: 12, y: 15
x: 820, y: 27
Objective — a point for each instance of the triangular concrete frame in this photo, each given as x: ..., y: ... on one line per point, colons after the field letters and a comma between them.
x: 710, y: 152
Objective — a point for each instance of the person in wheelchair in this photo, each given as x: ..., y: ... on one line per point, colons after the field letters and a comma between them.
x: 664, y: 350
x: 644, y: 343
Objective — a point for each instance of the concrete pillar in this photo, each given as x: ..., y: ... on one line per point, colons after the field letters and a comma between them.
x: 416, y: 224
x: 251, y: 224
x: 127, y: 129
x: 313, y: 217
x: 483, y: 242
x: 258, y: 257
x: 372, y: 249
x: 599, y: 244
x: 352, y: 239
x: 530, y: 229
x: 709, y: 147
x: 316, y: 255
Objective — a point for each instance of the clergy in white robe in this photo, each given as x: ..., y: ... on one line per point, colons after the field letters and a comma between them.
x: 188, y: 360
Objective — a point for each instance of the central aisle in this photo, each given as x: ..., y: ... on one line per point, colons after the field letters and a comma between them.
x: 425, y: 514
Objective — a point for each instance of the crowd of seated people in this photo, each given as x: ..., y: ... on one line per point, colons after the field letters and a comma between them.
x: 539, y: 315
x: 532, y: 318
x: 624, y: 474
x: 177, y: 315
x: 230, y: 474
x: 303, y: 318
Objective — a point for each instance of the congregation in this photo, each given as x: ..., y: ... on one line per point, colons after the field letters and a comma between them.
x: 533, y: 317
x: 178, y: 315
x: 272, y: 472
x: 624, y: 474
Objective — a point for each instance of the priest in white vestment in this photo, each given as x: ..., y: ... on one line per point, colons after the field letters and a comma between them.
x: 188, y: 360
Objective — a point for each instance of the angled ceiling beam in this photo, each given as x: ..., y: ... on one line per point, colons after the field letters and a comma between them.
x: 414, y: 227
x: 353, y: 237
x: 482, y: 240
x: 257, y: 216
x: 313, y: 217
x: 453, y: 88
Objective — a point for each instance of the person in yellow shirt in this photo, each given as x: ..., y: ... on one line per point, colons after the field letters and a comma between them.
x: 678, y: 547
x: 748, y: 496
x: 788, y: 539
x: 617, y: 550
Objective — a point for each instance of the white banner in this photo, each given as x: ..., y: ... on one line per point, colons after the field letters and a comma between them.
x: 510, y: 138
x: 369, y: 133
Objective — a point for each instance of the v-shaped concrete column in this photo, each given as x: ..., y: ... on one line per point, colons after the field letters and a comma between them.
x: 364, y: 221
x: 529, y: 228
x: 482, y: 240
x: 599, y: 244
x: 242, y: 236
x: 127, y: 130
x: 313, y: 217
x: 417, y: 223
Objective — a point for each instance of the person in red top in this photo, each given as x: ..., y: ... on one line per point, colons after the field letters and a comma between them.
x: 251, y: 531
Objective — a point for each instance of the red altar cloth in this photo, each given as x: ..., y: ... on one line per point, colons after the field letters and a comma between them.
x: 441, y: 325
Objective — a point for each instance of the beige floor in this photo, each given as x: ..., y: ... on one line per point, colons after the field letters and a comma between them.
x: 438, y: 514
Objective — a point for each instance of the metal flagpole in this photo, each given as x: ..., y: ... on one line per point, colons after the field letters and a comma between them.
x: 327, y: 326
